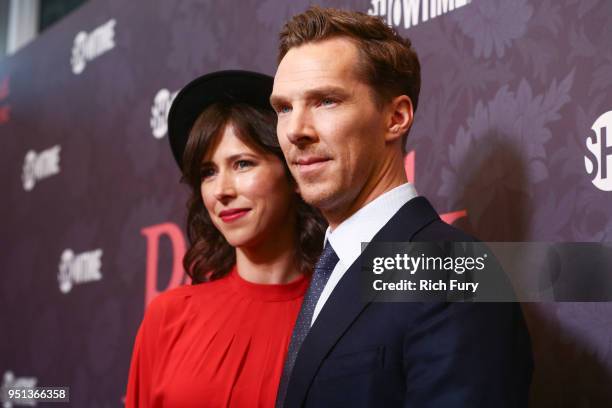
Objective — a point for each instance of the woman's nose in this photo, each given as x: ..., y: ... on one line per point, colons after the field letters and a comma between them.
x: 225, y: 187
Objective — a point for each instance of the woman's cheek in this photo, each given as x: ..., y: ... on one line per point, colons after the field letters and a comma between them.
x: 255, y: 183
x: 209, y: 201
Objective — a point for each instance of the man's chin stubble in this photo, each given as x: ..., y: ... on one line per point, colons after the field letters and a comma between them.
x: 325, y: 201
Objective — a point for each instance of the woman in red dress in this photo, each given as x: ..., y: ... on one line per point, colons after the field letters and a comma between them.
x: 221, y: 342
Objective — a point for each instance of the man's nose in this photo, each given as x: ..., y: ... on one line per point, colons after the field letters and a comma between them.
x: 225, y: 186
x: 300, y: 130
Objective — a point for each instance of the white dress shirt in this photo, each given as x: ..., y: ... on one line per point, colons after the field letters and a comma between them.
x: 361, y: 227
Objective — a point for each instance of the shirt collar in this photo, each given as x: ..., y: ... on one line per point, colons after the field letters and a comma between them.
x: 361, y: 227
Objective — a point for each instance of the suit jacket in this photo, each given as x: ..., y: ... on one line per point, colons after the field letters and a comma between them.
x: 360, y: 353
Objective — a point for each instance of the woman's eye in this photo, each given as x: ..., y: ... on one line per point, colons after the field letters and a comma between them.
x: 243, y: 164
x: 206, y: 173
x: 283, y: 109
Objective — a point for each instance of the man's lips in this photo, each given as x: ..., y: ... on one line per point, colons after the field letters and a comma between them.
x: 310, y: 163
x: 233, y: 214
x: 305, y: 161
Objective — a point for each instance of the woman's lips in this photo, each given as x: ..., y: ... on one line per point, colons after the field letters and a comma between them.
x: 234, y: 214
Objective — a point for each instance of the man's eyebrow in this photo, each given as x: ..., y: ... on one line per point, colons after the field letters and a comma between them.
x: 326, y: 91
x: 276, y: 100
x: 316, y: 93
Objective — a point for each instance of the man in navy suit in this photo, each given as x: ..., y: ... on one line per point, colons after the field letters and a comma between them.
x: 345, y: 93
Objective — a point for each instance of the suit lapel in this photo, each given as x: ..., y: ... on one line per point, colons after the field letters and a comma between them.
x: 346, y: 301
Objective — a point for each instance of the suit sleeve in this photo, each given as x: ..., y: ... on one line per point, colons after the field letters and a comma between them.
x: 468, y: 355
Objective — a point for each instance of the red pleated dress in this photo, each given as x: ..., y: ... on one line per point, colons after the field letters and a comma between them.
x: 216, y: 344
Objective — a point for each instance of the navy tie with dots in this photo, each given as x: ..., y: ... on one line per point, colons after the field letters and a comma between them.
x: 322, y: 270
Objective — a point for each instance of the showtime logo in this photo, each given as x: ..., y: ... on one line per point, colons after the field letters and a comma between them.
x: 88, y: 46
x: 159, y: 112
x: 39, y: 166
x: 598, y: 158
x: 412, y: 12
x: 77, y: 269
x: 10, y: 381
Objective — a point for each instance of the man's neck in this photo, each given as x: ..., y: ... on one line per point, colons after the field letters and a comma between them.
x: 390, y: 176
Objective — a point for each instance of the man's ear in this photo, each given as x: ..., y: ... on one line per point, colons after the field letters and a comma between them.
x: 400, y: 117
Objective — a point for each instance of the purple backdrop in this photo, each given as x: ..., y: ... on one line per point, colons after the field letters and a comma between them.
x: 510, y: 141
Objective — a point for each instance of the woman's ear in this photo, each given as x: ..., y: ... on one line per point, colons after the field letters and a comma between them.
x: 401, y: 115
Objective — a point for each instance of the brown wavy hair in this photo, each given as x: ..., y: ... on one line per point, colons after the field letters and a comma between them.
x: 209, y: 255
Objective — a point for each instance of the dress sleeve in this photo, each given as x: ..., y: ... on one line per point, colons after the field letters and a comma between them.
x: 140, y: 380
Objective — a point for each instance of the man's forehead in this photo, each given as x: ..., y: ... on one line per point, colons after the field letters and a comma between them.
x: 319, y: 63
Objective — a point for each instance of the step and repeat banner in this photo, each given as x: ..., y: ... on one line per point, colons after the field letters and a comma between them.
x: 512, y: 142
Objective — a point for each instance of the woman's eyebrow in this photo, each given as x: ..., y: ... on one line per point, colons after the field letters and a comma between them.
x: 232, y: 158
x: 237, y: 156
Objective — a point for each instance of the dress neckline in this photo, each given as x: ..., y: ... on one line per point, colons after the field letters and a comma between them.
x: 269, y: 292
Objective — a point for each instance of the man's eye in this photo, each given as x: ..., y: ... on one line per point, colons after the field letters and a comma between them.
x: 283, y: 109
x: 243, y: 164
x: 328, y: 101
